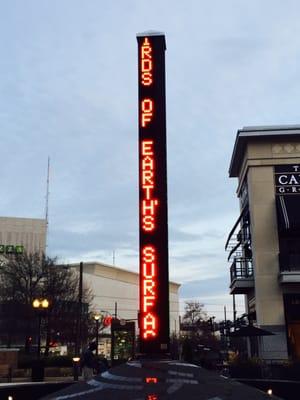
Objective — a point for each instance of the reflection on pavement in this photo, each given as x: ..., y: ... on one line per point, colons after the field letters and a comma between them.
x: 151, y: 379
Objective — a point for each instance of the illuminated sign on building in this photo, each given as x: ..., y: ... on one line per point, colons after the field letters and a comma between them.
x: 287, y: 179
x: 154, y: 276
x: 11, y: 249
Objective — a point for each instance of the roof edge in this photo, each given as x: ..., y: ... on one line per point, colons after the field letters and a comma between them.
x: 249, y: 132
x: 150, y: 33
x: 75, y: 265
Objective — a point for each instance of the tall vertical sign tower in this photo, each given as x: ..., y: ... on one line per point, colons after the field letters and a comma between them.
x: 154, y: 264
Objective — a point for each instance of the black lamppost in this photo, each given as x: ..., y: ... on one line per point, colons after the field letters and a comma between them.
x: 41, y: 306
x: 96, y: 318
x: 76, y: 367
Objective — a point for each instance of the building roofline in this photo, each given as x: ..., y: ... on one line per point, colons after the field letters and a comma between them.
x: 92, y: 263
x: 22, y: 218
x: 150, y: 33
x: 249, y: 133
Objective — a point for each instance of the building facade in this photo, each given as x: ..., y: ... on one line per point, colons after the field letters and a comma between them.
x: 117, y: 290
x: 264, y: 243
x: 22, y: 234
x: 18, y: 235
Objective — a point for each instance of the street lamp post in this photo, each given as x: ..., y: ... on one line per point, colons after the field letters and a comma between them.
x: 76, y: 367
x: 96, y: 318
x: 40, y: 306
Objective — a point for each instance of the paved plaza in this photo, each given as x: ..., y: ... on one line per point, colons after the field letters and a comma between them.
x: 159, y: 380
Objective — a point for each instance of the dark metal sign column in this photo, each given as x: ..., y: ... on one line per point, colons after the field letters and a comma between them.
x: 154, y: 268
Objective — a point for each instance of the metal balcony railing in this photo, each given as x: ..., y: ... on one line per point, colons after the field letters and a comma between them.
x: 232, y: 235
x: 241, y: 268
x: 289, y: 262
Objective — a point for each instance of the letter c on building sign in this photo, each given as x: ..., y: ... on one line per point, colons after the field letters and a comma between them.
x: 281, y: 179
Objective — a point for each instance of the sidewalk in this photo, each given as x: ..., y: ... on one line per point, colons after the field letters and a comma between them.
x: 16, y: 381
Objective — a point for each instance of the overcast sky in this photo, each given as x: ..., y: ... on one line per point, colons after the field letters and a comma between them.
x: 68, y: 90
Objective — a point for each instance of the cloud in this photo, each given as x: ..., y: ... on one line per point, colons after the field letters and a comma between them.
x: 69, y: 90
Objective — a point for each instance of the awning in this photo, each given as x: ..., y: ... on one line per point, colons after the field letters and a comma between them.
x: 250, y: 331
x: 288, y: 212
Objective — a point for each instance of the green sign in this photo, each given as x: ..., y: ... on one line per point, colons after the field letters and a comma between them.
x: 19, y: 249
x: 11, y: 249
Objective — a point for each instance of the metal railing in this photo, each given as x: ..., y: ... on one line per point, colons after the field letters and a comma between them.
x: 241, y: 268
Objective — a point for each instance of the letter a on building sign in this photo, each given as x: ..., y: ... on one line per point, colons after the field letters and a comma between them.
x: 154, y: 267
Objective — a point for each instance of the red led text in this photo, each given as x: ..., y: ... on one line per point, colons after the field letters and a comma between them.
x: 148, y: 202
x: 149, y: 291
x: 147, y: 112
x: 146, y: 63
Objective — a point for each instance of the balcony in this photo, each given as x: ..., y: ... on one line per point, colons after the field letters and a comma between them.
x: 241, y: 274
x: 289, y: 268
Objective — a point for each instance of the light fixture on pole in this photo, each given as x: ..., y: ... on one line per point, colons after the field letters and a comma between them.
x: 40, y: 305
x: 96, y: 318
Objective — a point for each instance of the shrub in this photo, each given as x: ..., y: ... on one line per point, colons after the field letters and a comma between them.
x: 58, y: 361
x: 291, y: 371
x: 251, y: 368
x: 27, y: 360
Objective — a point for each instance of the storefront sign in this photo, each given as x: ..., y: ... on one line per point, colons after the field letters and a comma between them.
x: 154, y: 276
x: 287, y: 179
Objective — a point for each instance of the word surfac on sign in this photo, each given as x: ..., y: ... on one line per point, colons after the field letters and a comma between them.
x: 154, y: 275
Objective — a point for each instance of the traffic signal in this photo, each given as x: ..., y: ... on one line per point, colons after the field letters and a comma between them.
x: 107, y: 321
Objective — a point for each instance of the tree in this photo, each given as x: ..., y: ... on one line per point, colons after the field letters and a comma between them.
x: 194, y: 313
x: 21, y: 278
x: 25, y: 277
x: 199, y: 338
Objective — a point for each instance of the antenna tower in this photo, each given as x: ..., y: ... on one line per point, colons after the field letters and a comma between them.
x: 47, y: 202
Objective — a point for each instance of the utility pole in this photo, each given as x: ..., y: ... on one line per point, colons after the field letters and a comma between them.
x: 234, y: 312
x: 225, y: 331
x: 47, y: 202
x: 79, y: 312
x: 225, y: 321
